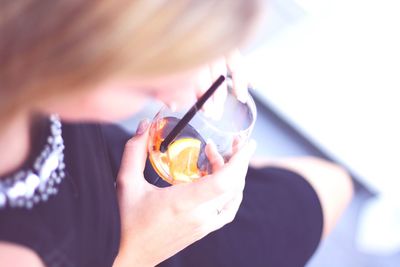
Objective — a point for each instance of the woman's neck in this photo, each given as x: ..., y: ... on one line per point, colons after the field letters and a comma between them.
x: 14, y: 143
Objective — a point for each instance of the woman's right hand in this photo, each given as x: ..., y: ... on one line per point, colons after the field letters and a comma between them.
x: 156, y: 223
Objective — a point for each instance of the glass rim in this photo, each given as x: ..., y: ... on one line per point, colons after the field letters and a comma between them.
x: 250, y: 103
x: 252, y: 107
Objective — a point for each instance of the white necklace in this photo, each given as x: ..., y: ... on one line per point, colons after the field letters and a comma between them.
x: 29, y: 187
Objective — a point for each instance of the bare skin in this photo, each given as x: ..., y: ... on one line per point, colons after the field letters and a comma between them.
x: 197, y: 204
x: 194, y: 206
x: 15, y: 138
x: 17, y: 255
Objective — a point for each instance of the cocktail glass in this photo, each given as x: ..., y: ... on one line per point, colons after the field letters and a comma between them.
x: 185, y: 159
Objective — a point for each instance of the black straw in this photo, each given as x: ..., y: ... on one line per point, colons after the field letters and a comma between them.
x: 190, y: 114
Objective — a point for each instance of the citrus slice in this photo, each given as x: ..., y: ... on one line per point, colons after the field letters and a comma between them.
x: 183, y: 155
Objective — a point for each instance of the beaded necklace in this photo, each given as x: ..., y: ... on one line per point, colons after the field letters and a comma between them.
x: 28, y: 187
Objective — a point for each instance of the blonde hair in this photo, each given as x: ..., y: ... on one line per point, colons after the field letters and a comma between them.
x: 50, y: 47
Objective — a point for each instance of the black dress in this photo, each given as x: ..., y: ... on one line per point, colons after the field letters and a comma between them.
x: 278, y: 224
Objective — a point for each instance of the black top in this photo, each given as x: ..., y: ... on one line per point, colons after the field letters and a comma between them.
x: 80, y: 225
x: 278, y: 224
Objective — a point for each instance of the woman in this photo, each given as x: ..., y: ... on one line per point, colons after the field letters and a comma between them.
x: 66, y: 196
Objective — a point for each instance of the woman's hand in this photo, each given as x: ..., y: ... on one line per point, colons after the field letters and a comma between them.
x: 156, y: 223
x: 232, y: 65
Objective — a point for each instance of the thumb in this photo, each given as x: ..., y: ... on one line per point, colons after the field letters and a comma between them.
x: 135, y: 152
x: 244, y: 155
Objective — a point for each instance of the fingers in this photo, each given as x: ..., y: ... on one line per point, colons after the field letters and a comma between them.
x: 236, y: 144
x: 217, y: 69
x: 228, y: 179
x: 234, y: 171
x: 228, y: 212
x: 204, y: 81
x: 235, y: 65
x: 215, y: 159
x: 213, y: 107
x: 243, y: 156
x: 214, y: 200
x: 135, y: 153
x: 220, y: 212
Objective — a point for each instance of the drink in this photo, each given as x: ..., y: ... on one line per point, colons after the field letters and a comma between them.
x: 185, y: 159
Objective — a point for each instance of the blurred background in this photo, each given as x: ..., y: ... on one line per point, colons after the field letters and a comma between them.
x: 326, y: 75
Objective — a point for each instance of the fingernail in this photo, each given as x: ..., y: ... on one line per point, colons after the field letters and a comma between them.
x: 143, y: 125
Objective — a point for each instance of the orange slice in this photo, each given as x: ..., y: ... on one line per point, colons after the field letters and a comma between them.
x: 183, y: 155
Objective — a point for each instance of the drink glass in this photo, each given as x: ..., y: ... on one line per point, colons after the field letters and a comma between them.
x: 185, y: 159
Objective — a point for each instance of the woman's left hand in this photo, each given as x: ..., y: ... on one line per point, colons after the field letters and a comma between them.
x: 231, y: 65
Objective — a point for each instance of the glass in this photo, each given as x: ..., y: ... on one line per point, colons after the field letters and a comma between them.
x: 185, y: 159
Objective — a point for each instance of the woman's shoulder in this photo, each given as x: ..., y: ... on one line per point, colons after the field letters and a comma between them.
x: 56, y: 228
x: 17, y: 255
